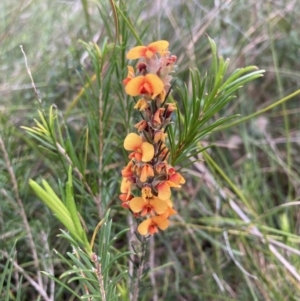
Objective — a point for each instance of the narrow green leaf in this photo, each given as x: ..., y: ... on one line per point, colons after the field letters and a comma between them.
x: 70, y: 204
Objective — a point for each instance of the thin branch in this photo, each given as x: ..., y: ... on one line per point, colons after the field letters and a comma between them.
x: 30, y: 75
x: 140, y: 271
x: 152, y: 265
x: 98, y: 271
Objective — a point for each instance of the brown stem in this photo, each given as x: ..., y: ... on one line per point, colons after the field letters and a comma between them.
x: 98, y: 271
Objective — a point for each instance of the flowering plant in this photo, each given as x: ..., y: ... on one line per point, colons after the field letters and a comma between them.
x: 148, y: 171
x: 149, y: 175
x: 168, y: 134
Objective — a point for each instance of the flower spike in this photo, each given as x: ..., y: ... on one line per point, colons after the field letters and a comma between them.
x: 148, y: 178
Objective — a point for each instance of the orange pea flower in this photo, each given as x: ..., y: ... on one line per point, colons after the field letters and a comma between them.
x: 164, y: 188
x: 142, y: 151
x: 149, y: 84
x: 148, y: 206
x: 148, y: 51
x: 150, y: 225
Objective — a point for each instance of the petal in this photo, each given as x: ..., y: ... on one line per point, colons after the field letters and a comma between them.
x: 164, y: 191
x: 125, y: 185
x: 170, y: 211
x: 141, y: 104
x: 158, y: 205
x: 161, y: 222
x: 143, y: 227
x: 130, y: 75
x: 141, y: 126
x: 158, y: 46
x: 159, y: 136
x: 124, y: 197
x: 153, y: 229
x: 169, y: 203
x: 127, y: 170
x: 155, y: 82
x: 133, y: 87
x: 130, y: 72
x: 147, y: 151
x: 136, y: 52
x: 137, y: 204
x: 177, y: 178
x: 147, y: 171
x: 132, y: 141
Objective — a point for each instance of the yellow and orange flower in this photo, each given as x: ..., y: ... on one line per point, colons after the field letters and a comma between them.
x: 164, y: 188
x: 151, y: 225
x: 149, y: 84
x: 148, y: 206
x: 148, y: 51
x: 142, y: 151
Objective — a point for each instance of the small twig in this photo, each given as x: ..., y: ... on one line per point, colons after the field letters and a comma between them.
x: 130, y: 235
x: 98, y: 271
x: 152, y: 265
x: 140, y: 270
x: 49, y: 267
x: 30, y: 75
